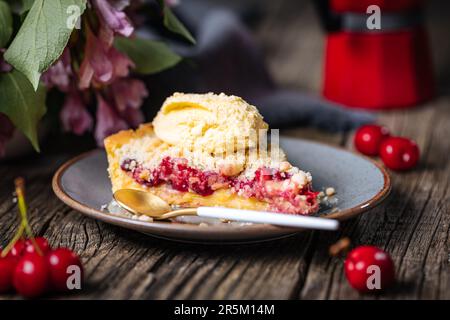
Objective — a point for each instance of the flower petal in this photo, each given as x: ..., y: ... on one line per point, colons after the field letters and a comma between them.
x: 108, y: 122
x: 96, y: 64
x: 85, y: 75
x: 59, y: 74
x: 114, y: 18
x: 74, y: 116
x: 134, y: 117
x: 106, y: 35
x: 128, y: 93
x: 120, y: 62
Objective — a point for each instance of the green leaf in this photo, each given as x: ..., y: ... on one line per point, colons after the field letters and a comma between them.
x: 6, y: 23
x: 172, y: 23
x: 20, y: 6
x: 149, y: 56
x: 24, y: 106
x: 26, y: 5
x: 42, y: 37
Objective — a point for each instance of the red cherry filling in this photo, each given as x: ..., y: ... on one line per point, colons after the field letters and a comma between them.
x: 178, y: 173
x: 267, y: 184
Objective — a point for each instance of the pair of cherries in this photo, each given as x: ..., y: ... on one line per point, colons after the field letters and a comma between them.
x: 33, y: 267
x: 397, y: 153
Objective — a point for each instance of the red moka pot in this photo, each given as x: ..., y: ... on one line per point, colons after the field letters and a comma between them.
x: 377, y: 69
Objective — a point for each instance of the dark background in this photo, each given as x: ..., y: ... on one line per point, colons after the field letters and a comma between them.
x: 290, y: 31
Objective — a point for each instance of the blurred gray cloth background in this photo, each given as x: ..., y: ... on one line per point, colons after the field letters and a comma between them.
x: 227, y: 59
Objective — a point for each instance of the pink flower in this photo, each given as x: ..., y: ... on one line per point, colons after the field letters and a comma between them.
x: 106, y: 35
x: 128, y: 93
x: 114, y: 17
x: 172, y: 3
x: 121, y: 4
x: 134, y: 117
x: 95, y: 63
x: 59, y: 74
x: 4, y: 66
x: 102, y: 63
x: 6, y: 132
x: 108, y: 122
x: 74, y: 115
x: 121, y: 63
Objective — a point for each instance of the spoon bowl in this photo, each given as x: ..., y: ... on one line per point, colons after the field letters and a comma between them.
x: 140, y: 202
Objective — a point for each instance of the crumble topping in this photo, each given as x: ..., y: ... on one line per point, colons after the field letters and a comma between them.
x: 150, y: 151
x: 330, y: 191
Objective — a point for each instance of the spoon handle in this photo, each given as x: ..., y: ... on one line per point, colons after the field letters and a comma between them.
x: 278, y: 219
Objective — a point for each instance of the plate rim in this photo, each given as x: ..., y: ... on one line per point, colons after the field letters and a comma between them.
x: 145, y: 226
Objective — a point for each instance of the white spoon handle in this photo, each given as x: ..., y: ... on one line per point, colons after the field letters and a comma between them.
x: 279, y: 219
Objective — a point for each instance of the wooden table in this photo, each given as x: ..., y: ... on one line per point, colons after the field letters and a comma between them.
x: 412, y: 225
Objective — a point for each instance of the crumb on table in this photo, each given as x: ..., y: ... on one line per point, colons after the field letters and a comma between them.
x: 330, y: 191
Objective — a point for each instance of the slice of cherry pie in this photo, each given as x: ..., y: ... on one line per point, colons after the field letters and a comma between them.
x: 191, y: 176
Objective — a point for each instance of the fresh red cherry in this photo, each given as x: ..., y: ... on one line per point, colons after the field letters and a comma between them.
x: 17, y: 250
x: 7, y: 266
x: 369, y: 269
x: 59, y: 261
x: 399, y: 153
x: 368, y: 139
x: 31, y: 275
x: 41, y: 242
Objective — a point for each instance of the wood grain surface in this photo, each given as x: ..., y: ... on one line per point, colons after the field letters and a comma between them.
x: 413, y: 224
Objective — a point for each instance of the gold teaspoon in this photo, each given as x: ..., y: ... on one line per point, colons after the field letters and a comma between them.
x: 141, y: 202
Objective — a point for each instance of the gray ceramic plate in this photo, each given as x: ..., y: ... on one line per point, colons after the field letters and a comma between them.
x: 361, y: 184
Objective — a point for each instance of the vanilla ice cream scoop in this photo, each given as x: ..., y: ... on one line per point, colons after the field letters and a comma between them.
x: 208, y: 121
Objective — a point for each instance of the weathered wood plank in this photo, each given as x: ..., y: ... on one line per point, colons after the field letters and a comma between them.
x: 413, y: 225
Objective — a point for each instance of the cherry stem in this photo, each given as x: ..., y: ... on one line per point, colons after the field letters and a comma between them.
x: 340, y: 247
x: 24, y: 225
x: 16, y: 237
